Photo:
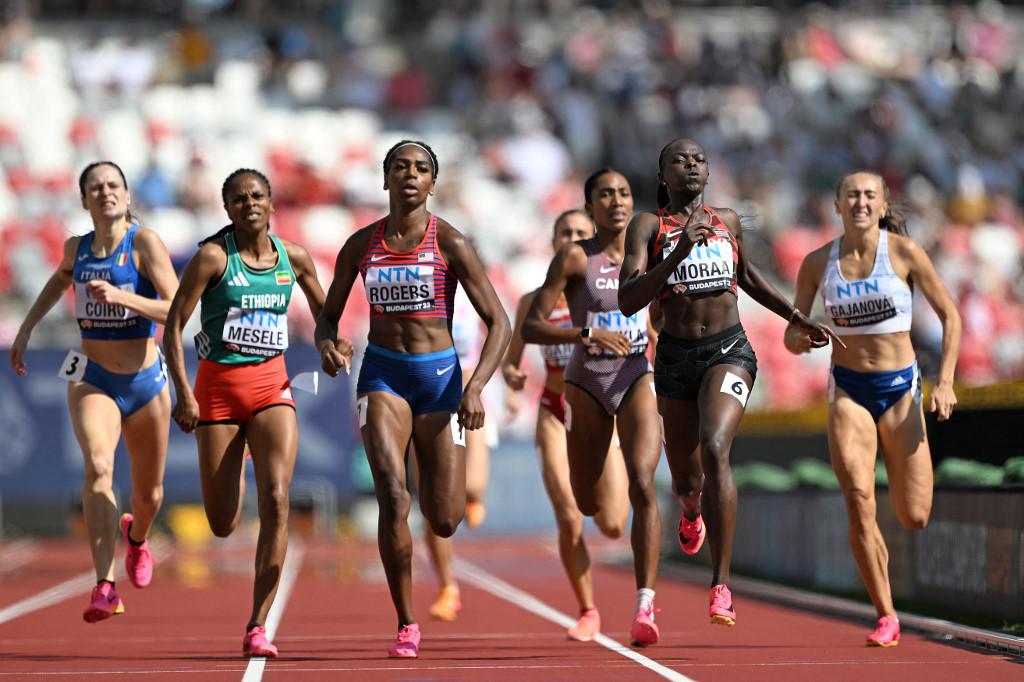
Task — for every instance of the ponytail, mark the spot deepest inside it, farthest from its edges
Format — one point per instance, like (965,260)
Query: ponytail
(894,221)
(663,198)
(218,235)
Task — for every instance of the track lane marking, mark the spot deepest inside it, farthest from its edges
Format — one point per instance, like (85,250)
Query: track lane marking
(289,573)
(492,584)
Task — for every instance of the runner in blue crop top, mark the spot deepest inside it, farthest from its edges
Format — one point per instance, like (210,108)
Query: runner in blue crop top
(123,283)
(874,392)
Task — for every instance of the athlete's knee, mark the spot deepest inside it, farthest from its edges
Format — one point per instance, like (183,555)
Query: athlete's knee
(148,499)
(860,505)
(99,475)
(570,522)
(394,500)
(610,528)
(220,526)
(914,519)
(687,486)
(444,528)
(714,453)
(642,492)
(273,504)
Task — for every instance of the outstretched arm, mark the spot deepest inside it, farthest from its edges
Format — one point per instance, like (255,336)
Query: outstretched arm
(206,265)
(514,376)
(796,338)
(752,281)
(943,399)
(346,268)
(463,259)
(54,288)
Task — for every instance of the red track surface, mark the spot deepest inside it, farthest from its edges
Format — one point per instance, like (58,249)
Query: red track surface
(338,622)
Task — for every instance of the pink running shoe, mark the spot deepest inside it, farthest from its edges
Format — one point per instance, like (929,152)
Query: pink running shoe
(586,627)
(644,632)
(103,603)
(138,560)
(407,644)
(255,643)
(691,534)
(887,633)
(721,610)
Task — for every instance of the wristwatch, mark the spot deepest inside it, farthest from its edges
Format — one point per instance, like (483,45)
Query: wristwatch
(586,335)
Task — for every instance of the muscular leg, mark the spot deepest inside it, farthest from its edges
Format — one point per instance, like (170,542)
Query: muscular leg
(442,467)
(641,448)
(222,475)
(852,442)
(145,435)
(97,424)
(555,472)
(588,435)
(612,492)
(273,436)
(908,461)
(680,420)
(720,414)
(386,436)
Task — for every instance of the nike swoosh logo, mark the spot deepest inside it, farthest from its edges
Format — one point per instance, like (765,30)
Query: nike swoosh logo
(377,258)
(673,233)
(445,370)
(726,349)
(83,256)
(607,270)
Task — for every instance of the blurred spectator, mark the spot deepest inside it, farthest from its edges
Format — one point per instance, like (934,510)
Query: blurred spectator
(522,100)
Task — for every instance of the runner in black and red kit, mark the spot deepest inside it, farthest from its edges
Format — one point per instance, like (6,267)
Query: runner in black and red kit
(690,257)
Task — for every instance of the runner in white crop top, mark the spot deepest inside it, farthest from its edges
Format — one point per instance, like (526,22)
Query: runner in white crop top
(880,303)
(864,279)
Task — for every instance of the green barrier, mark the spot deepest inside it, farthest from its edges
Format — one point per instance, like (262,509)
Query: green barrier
(967,472)
(1013,470)
(813,473)
(760,476)
(881,473)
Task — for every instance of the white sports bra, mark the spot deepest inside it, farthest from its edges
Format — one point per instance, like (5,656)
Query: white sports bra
(881,303)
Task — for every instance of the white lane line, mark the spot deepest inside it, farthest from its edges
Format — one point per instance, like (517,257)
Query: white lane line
(391,669)
(491,583)
(289,572)
(80,584)
(72,587)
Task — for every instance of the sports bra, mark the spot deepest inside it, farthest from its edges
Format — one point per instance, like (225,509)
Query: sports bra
(881,303)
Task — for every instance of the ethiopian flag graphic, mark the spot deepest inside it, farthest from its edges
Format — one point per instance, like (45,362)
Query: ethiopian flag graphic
(283,277)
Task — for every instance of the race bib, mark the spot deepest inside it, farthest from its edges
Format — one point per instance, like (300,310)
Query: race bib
(705,269)
(73,368)
(634,327)
(262,333)
(400,288)
(93,314)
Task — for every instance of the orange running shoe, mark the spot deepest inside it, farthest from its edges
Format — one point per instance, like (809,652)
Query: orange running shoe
(407,643)
(887,633)
(103,603)
(138,560)
(476,512)
(644,632)
(255,643)
(586,627)
(721,610)
(691,534)
(447,605)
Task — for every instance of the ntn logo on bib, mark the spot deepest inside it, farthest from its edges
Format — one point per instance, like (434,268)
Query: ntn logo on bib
(400,288)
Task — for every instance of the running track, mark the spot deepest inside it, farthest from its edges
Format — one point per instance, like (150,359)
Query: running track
(334,620)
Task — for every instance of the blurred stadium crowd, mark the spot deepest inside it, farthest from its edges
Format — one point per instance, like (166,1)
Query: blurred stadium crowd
(522,99)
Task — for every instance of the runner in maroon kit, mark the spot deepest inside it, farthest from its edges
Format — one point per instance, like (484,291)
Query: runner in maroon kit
(608,380)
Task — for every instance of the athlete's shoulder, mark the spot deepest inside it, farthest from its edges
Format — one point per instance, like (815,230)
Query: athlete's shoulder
(146,237)
(816,261)
(728,216)
(448,234)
